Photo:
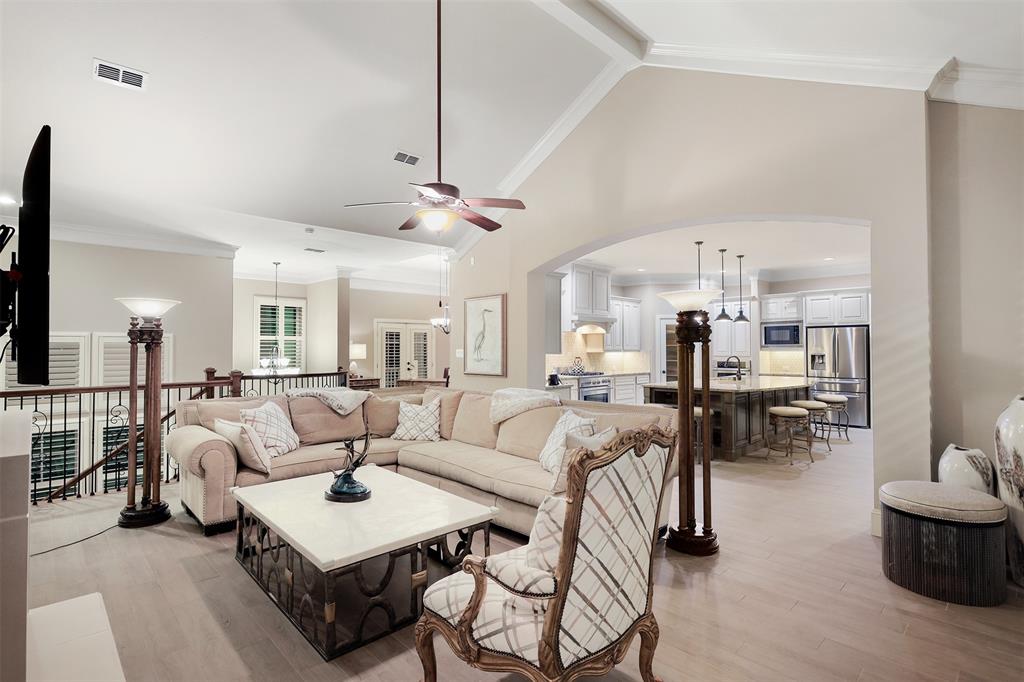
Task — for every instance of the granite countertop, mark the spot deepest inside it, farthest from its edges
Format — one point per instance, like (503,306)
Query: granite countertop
(577,377)
(750,384)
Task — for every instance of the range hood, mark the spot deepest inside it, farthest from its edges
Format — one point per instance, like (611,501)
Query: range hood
(583,327)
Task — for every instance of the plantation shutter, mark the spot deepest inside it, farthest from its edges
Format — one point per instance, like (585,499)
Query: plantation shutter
(112,352)
(67,364)
(420,352)
(281,325)
(392,356)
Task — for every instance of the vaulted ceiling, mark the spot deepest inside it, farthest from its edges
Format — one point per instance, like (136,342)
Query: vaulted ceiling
(260,120)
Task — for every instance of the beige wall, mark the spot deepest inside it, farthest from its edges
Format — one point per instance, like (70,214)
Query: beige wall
(366,305)
(322,326)
(243,340)
(670,148)
(85,279)
(977,251)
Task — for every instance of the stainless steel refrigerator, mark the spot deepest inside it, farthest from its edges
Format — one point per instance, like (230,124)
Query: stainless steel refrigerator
(838,360)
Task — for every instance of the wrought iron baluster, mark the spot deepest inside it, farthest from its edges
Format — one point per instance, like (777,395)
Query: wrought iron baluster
(49,423)
(63,467)
(92,439)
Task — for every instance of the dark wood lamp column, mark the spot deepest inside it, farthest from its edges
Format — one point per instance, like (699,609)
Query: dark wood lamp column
(692,327)
(146,327)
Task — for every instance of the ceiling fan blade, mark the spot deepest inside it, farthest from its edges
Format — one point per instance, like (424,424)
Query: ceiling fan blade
(412,222)
(478,220)
(427,191)
(495,203)
(381,203)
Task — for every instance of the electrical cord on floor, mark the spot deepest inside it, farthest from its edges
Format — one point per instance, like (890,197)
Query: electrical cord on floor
(87,537)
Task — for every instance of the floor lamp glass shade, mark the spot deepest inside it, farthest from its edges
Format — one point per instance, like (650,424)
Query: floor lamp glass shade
(148,308)
(686,300)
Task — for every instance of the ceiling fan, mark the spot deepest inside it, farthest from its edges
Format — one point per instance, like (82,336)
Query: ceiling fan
(439,204)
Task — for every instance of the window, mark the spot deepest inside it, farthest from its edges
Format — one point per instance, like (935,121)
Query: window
(282,325)
(68,362)
(111,359)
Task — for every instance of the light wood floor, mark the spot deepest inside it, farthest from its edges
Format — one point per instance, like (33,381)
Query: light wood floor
(795,594)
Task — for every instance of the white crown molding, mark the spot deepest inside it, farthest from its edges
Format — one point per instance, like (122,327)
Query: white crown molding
(978,85)
(843,70)
(364,284)
(170,243)
(601,26)
(584,103)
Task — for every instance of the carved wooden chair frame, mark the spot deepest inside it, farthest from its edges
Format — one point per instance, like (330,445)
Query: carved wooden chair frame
(460,637)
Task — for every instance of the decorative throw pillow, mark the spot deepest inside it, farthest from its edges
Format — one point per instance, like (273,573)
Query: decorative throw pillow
(250,455)
(560,482)
(419,422)
(554,449)
(272,428)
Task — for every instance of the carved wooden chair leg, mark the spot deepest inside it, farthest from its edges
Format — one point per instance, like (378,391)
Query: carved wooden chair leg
(648,643)
(425,648)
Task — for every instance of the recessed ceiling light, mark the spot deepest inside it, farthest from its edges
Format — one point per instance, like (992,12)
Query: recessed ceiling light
(830,258)
(641,269)
(6,200)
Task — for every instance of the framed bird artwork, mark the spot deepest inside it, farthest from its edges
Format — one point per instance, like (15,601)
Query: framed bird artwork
(485,351)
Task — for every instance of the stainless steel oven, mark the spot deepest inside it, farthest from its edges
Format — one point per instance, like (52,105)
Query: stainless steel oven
(781,335)
(596,389)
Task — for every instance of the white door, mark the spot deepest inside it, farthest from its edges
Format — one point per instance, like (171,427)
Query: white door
(404,350)
(819,309)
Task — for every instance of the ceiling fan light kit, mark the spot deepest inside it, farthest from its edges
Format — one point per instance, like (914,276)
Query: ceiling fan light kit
(440,203)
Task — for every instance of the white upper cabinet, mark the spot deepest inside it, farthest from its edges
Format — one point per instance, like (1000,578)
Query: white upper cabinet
(779,308)
(591,289)
(582,290)
(625,330)
(841,307)
(727,337)
(819,309)
(740,337)
(852,308)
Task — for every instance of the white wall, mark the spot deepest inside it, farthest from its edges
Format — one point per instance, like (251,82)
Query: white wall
(366,305)
(816,283)
(669,148)
(322,324)
(977,251)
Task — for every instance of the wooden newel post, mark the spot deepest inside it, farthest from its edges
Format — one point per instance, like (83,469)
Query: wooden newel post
(211,374)
(236,383)
(692,328)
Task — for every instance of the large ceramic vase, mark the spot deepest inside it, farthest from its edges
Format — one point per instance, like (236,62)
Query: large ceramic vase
(1010,465)
(967,467)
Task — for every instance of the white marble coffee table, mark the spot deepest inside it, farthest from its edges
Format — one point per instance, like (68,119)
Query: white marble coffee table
(347,574)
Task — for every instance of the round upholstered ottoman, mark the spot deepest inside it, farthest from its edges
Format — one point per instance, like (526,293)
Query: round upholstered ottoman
(944,541)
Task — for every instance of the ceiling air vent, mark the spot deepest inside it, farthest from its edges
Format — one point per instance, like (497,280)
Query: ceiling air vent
(124,76)
(403,157)
(312,250)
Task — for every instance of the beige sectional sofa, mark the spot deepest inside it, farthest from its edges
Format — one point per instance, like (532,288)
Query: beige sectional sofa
(495,465)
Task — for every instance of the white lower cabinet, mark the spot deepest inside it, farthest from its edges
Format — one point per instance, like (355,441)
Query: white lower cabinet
(629,389)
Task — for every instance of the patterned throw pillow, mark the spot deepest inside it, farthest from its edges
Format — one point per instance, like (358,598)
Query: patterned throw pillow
(251,452)
(273,429)
(419,422)
(560,482)
(554,449)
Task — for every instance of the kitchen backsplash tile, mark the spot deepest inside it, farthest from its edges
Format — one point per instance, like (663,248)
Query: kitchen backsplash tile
(782,362)
(573,347)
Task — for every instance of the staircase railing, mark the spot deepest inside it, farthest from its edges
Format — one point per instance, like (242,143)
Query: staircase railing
(80,433)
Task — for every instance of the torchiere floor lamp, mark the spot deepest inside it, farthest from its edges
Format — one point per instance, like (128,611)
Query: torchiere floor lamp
(692,327)
(151,509)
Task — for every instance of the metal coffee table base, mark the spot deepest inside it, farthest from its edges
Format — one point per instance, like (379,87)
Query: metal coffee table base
(345,608)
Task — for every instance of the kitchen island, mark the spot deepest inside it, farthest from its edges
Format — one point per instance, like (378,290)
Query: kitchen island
(740,421)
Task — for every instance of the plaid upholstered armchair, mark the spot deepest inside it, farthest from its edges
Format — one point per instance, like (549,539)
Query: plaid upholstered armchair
(568,603)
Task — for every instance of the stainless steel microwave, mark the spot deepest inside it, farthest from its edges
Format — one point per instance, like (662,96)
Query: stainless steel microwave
(781,335)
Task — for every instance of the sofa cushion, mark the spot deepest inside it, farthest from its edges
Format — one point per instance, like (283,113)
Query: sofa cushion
(485,469)
(313,459)
(524,435)
(230,410)
(473,421)
(317,423)
(382,413)
(271,429)
(449,408)
(248,455)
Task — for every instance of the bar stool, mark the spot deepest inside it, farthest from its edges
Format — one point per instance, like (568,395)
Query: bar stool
(698,440)
(837,405)
(818,411)
(788,418)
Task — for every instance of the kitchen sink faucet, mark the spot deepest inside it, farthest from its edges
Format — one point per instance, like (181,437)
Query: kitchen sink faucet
(739,371)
